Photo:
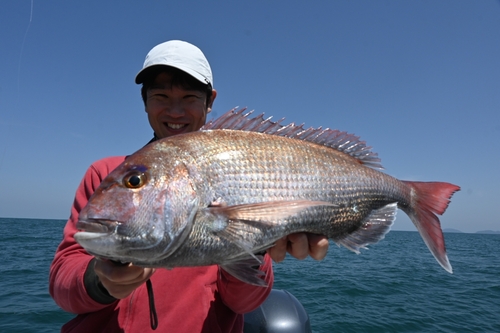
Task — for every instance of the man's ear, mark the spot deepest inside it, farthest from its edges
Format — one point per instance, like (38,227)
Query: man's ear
(211,100)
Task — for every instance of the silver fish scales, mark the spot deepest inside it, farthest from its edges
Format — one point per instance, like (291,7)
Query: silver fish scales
(219,195)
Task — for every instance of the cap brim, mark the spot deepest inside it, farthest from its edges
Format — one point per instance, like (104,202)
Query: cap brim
(151,70)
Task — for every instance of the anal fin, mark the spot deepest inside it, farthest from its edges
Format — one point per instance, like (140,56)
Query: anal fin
(373,229)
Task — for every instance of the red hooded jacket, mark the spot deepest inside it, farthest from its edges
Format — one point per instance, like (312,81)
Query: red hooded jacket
(198,299)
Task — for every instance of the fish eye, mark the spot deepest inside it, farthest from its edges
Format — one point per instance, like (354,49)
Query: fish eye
(134,180)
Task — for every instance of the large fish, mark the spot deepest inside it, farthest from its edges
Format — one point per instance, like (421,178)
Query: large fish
(224,193)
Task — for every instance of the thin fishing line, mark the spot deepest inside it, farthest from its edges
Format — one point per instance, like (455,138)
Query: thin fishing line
(3,154)
(22,49)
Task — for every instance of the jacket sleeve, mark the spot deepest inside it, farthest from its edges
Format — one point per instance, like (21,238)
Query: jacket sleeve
(68,270)
(242,297)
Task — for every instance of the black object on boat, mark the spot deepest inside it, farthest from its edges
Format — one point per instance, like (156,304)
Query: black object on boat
(280,313)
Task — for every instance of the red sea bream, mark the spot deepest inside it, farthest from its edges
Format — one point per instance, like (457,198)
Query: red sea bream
(230,190)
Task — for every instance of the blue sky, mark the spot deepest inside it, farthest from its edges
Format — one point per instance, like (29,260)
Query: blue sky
(418,80)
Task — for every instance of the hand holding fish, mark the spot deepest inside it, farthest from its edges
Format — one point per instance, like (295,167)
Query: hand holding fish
(300,245)
(121,280)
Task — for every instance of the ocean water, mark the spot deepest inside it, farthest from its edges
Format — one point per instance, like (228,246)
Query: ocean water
(395,286)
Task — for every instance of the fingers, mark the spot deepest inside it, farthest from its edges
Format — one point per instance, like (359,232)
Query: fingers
(300,245)
(121,281)
(278,251)
(318,246)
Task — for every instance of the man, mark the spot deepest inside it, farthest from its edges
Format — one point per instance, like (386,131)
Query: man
(178,94)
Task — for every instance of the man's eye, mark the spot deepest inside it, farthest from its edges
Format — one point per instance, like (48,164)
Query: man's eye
(160,95)
(192,97)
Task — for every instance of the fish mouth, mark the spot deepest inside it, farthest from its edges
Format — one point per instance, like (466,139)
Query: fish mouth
(97,236)
(111,239)
(98,226)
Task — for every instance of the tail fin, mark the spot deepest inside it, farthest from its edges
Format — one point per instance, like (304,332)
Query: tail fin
(429,199)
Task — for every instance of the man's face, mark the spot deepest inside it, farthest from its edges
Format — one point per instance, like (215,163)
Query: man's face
(174,110)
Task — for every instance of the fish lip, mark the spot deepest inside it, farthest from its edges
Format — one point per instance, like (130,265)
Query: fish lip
(98,225)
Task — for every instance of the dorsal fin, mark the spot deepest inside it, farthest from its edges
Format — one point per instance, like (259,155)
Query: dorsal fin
(341,141)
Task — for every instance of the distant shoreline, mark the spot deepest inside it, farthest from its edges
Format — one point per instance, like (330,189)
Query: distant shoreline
(456,231)
(450,230)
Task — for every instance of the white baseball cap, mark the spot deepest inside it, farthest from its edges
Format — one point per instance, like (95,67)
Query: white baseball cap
(179,54)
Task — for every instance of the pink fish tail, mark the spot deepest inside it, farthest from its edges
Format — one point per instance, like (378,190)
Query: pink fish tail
(429,199)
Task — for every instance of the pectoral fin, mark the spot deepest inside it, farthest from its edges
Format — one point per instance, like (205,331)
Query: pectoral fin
(265,211)
(244,224)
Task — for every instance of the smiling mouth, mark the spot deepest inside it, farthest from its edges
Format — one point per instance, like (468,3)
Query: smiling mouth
(175,126)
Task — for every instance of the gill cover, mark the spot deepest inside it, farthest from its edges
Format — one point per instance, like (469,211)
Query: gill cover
(179,211)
